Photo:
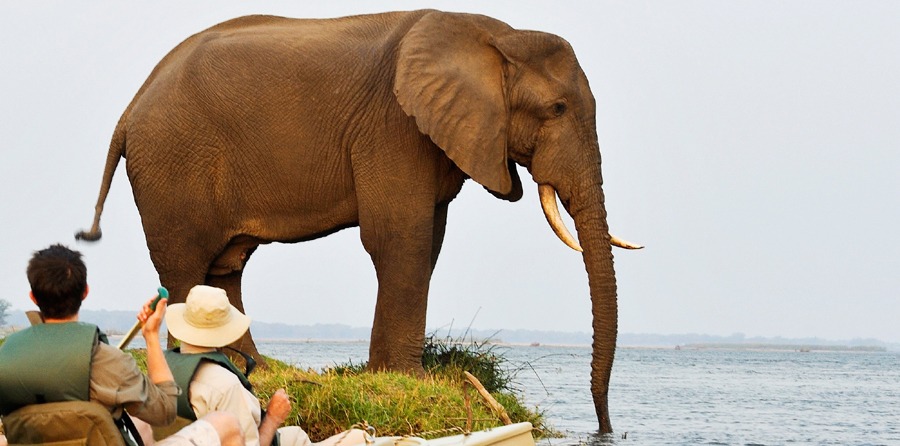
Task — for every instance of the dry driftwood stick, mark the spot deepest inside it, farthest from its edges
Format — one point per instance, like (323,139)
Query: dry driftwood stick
(468,410)
(487,397)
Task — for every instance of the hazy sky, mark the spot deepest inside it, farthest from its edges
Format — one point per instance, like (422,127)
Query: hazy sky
(752,146)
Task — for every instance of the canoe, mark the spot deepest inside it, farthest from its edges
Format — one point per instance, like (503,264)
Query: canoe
(517,434)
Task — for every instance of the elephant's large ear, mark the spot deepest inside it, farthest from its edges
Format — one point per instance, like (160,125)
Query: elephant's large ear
(451,79)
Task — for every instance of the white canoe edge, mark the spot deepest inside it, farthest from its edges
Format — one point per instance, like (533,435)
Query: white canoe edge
(518,434)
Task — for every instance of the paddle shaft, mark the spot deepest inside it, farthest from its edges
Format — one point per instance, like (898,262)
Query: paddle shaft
(34,317)
(162,293)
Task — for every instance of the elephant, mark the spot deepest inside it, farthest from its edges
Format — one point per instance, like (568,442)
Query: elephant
(269,129)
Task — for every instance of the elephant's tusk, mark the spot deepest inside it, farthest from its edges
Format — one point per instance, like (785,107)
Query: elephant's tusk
(551,211)
(616,241)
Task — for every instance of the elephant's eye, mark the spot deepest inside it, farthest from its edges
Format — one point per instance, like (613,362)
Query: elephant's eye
(559,108)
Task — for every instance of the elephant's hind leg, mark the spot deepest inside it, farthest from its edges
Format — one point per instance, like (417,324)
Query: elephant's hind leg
(227,272)
(179,268)
(231,283)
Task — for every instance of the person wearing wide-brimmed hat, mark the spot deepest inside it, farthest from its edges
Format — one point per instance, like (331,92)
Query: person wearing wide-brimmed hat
(203,324)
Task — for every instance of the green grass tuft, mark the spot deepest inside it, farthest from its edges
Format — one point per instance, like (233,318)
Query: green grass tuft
(449,356)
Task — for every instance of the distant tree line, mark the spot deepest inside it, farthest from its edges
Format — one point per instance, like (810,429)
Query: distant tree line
(4,306)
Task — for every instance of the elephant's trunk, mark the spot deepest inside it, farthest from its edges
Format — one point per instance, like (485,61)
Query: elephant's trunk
(586,206)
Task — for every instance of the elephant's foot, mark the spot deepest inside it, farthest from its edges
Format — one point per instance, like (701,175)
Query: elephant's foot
(390,361)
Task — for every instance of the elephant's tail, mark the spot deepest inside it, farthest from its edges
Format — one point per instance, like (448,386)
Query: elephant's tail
(116,152)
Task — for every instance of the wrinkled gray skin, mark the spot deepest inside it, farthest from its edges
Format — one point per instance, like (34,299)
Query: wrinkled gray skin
(267,129)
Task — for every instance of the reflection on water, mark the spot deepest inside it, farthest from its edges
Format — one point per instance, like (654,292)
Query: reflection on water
(681,397)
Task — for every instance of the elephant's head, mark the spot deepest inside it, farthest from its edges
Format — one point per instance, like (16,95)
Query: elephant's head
(491,96)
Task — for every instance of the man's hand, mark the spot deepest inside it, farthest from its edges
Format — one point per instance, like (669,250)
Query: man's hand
(152,320)
(276,412)
(279,407)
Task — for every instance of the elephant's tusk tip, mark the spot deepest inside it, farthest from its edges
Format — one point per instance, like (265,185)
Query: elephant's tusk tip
(615,241)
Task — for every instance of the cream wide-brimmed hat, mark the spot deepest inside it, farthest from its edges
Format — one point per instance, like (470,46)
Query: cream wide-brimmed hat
(206,319)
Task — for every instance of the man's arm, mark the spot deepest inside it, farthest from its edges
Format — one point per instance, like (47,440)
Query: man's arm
(157,368)
(117,381)
(276,412)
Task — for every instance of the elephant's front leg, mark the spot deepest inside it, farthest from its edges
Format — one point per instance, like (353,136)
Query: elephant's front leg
(401,251)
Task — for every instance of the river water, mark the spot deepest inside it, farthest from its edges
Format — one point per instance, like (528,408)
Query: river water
(688,396)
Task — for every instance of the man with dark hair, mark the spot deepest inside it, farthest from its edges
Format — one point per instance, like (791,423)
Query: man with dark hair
(58,281)
(67,360)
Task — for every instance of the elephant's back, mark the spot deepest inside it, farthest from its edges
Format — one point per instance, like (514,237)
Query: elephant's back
(287,26)
(263,60)
(268,79)
(262,32)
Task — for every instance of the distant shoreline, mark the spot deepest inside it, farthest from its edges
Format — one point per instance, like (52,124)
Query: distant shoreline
(118,322)
(723,347)
(114,335)
(786,347)
(702,346)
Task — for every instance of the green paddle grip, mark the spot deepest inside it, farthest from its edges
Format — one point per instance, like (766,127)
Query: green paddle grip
(161,293)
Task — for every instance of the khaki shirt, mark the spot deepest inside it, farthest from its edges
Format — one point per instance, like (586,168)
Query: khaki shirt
(215,388)
(117,383)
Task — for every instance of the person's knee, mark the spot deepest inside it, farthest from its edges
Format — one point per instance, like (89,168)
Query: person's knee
(227,426)
(355,436)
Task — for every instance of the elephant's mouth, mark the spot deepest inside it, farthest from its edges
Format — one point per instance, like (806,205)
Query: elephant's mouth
(548,203)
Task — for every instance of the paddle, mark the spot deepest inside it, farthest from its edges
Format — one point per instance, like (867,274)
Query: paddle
(162,293)
(34,317)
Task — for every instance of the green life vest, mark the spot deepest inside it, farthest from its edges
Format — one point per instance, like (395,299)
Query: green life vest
(184,366)
(47,363)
